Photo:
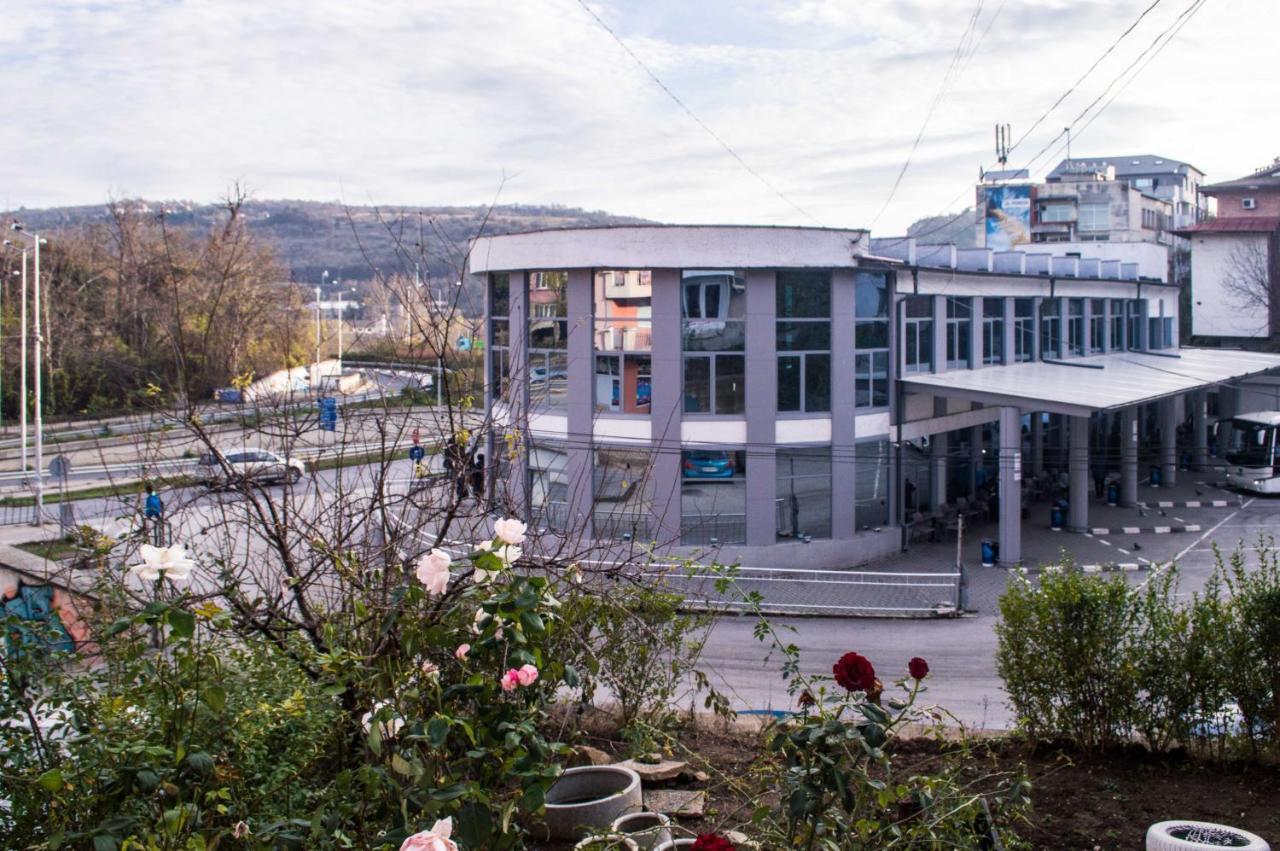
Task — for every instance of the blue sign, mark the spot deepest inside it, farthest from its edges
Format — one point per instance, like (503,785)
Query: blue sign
(416,453)
(464,344)
(328,413)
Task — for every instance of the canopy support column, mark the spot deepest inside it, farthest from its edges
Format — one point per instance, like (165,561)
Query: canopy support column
(1168,441)
(1199,429)
(1037,443)
(1078,469)
(1010,459)
(1129,457)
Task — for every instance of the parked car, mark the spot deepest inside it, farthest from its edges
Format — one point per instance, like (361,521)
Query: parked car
(700,464)
(260,465)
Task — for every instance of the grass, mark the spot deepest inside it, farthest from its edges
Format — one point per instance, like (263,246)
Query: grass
(51,550)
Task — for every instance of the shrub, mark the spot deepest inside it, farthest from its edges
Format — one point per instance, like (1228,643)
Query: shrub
(1065,655)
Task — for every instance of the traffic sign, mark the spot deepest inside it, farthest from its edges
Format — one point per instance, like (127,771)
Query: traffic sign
(416,453)
(60,467)
(328,413)
(464,344)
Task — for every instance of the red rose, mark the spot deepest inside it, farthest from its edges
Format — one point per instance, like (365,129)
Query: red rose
(918,668)
(712,842)
(854,672)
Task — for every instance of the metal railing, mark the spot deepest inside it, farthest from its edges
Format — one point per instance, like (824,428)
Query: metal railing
(866,593)
(699,530)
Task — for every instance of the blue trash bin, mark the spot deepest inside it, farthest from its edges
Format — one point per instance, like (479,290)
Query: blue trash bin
(1113,493)
(1155,476)
(1055,517)
(989,553)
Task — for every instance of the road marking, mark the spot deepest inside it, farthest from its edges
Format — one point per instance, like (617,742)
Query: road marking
(1199,540)
(1104,543)
(1122,550)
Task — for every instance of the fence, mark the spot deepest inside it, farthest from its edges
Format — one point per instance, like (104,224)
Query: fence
(709,530)
(820,592)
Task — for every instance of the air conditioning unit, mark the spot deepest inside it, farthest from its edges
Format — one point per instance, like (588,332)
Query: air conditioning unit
(1249,203)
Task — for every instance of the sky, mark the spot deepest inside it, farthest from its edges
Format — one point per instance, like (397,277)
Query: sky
(428,102)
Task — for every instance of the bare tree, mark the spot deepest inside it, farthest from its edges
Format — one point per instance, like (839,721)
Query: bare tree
(1248,282)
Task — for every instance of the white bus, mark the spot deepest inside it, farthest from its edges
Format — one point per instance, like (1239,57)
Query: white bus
(1252,456)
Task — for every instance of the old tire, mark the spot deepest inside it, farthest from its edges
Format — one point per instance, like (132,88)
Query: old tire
(1187,835)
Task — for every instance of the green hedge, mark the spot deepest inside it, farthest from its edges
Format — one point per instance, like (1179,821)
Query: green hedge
(1099,661)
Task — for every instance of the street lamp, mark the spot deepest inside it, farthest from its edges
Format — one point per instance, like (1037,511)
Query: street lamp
(22,373)
(342,312)
(37,241)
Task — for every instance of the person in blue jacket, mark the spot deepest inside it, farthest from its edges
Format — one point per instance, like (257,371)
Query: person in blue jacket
(153,512)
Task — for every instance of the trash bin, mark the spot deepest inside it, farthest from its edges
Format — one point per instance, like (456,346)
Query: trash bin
(1155,476)
(1113,494)
(990,552)
(1056,515)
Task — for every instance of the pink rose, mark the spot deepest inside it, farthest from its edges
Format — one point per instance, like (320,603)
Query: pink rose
(527,675)
(461,653)
(435,839)
(510,680)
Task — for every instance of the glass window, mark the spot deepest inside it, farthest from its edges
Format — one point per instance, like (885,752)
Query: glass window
(622,305)
(804,344)
(803,503)
(918,334)
(713,304)
(1117,325)
(499,340)
(1154,328)
(959,329)
(1097,324)
(1024,329)
(871,379)
(992,331)
(1075,326)
(1095,217)
(871,340)
(624,492)
(549,485)
(548,326)
(1050,329)
(1133,332)
(871,484)
(1169,336)
(1057,213)
(713,497)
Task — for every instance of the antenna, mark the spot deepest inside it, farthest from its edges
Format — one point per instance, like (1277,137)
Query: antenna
(1002,144)
(1067,130)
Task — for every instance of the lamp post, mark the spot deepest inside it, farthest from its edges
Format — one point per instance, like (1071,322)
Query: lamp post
(37,241)
(22,374)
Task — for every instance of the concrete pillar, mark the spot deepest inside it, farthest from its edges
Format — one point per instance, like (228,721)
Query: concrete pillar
(939,333)
(1078,475)
(938,446)
(580,406)
(1129,457)
(1010,461)
(761,408)
(1199,401)
(667,405)
(517,485)
(1037,443)
(844,467)
(1010,337)
(1107,342)
(1168,408)
(975,457)
(977,329)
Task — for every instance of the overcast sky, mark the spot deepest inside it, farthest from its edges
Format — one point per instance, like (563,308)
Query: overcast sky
(433,101)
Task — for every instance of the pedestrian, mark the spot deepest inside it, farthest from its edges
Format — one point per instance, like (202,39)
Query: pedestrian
(153,515)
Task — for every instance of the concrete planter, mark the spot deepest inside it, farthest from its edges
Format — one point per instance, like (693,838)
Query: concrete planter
(607,842)
(648,830)
(587,799)
(675,844)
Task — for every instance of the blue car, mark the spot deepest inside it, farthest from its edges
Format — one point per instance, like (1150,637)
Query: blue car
(709,465)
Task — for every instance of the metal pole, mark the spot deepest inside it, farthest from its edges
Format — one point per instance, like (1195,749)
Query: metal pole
(341,311)
(22,372)
(439,378)
(39,413)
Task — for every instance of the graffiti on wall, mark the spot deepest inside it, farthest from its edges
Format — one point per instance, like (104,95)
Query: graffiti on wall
(51,611)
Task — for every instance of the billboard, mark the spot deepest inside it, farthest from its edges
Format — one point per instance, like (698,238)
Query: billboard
(1006,216)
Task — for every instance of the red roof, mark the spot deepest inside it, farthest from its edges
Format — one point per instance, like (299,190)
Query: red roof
(1236,224)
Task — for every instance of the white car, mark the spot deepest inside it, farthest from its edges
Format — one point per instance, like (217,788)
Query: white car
(240,465)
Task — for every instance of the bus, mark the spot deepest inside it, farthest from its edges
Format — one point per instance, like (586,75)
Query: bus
(1252,456)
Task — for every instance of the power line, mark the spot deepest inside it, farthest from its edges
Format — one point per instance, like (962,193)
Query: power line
(952,70)
(689,112)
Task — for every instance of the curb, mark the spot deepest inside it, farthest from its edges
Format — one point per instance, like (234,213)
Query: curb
(1191,503)
(1146,530)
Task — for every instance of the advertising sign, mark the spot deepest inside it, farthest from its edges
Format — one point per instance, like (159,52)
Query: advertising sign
(1006,216)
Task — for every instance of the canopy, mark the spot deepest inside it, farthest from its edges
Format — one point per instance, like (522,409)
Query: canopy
(1080,386)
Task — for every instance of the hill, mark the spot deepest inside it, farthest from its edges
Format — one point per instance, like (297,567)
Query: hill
(311,237)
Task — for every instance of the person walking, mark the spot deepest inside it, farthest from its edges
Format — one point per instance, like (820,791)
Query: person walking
(153,516)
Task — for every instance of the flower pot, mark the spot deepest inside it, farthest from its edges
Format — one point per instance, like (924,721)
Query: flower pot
(1187,835)
(587,799)
(648,830)
(607,842)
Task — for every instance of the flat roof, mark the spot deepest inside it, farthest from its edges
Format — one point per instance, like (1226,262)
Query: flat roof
(670,247)
(1080,386)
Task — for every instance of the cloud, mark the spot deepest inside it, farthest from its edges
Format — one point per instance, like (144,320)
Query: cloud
(405,102)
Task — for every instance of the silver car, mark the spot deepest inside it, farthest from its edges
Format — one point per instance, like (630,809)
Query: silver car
(245,465)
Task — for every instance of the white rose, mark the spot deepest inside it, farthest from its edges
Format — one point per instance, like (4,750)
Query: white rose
(509,530)
(433,571)
(170,562)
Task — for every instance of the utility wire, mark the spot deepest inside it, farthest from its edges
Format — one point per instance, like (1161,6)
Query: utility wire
(952,71)
(689,112)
